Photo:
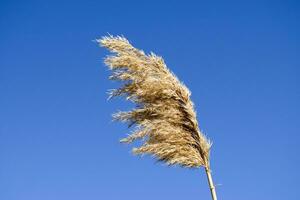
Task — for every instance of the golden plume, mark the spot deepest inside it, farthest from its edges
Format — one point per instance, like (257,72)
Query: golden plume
(164,115)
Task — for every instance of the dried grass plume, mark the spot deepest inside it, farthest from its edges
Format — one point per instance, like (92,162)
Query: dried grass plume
(164,115)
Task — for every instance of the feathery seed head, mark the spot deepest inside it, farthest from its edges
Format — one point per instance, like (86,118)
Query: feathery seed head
(164,115)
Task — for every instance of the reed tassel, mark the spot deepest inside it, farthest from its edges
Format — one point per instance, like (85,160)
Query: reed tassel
(164,116)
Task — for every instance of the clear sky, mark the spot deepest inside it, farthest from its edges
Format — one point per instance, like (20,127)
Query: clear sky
(240,59)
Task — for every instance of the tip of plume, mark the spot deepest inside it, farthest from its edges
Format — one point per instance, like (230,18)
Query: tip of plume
(108,38)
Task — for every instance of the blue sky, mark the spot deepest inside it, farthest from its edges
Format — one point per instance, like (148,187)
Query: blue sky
(240,59)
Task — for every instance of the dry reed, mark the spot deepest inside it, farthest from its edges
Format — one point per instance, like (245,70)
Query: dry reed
(164,116)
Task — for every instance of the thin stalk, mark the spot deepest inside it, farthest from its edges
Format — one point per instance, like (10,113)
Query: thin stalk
(211,183)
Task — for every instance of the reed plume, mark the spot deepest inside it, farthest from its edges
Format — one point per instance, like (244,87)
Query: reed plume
(164,116)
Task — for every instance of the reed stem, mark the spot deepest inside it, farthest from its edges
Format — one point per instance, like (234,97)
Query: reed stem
(211,184)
